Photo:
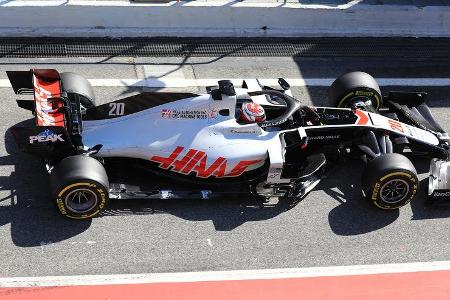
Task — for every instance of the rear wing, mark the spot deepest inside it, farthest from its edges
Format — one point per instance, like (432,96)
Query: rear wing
(45,85)
(57,121)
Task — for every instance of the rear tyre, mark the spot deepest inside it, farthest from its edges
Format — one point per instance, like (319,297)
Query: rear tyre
(390,181)
(355,89)
(80,186)
(78,87)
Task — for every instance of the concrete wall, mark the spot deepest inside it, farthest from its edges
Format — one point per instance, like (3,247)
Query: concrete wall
(225,18)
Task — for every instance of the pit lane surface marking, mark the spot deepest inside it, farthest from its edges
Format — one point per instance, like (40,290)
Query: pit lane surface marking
(294,82)
(423,280)
(22,3)
(284,273)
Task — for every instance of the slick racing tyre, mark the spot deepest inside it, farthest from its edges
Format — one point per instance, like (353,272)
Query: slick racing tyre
(355,89)
(390,181)
(80,186)
(78,87)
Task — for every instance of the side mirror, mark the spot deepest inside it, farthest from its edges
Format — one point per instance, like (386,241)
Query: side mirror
(94,150)
(284,84)
(226,87)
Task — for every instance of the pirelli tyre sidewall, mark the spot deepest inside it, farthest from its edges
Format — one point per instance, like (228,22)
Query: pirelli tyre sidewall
(94,189)
(360,93)
(80,187)
(390,172)
(354,86)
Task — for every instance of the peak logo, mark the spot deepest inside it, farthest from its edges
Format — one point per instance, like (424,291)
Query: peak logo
(46,136)
(196,161)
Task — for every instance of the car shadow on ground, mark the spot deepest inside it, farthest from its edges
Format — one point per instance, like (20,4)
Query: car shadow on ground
(355,214)
(25,204)
(225,214)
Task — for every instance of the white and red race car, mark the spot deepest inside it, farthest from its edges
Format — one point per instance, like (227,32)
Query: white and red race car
(253,140)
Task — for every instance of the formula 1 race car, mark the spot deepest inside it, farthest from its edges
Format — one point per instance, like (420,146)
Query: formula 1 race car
(253,140)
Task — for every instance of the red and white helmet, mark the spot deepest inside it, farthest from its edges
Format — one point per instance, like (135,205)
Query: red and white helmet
(252,113)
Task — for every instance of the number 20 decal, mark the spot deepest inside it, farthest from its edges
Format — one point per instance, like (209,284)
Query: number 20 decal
(116,109)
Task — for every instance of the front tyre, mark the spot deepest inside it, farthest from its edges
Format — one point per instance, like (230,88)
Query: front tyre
(390,181)
(355,89)
(80,186)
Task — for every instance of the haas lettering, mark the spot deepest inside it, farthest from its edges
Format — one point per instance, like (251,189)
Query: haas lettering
(196,161)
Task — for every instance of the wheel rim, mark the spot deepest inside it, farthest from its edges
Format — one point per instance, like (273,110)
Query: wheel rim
(394,191)
(359,102)
(81,200)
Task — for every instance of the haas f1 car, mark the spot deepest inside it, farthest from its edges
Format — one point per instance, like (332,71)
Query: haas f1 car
(253,140)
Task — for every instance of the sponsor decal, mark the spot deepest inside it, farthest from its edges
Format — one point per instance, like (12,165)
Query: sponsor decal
(213,113)
(364,93)
(184,114)
(274,173)
(441,194)
(397,126)
(254,131)
(324,137)
(46,136)
(166,113)
(41,94)
(196,161)
(43,91)
(376,189)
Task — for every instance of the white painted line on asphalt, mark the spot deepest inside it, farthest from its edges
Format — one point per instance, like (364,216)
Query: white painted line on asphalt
(109,3)
(33,3)
(295,82)
(225,275)
(4,83)
(164,72)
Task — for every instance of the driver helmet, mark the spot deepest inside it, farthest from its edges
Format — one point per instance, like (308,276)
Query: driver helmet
(252,113)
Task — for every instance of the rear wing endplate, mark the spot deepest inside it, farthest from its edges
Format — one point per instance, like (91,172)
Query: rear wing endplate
(48,142)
